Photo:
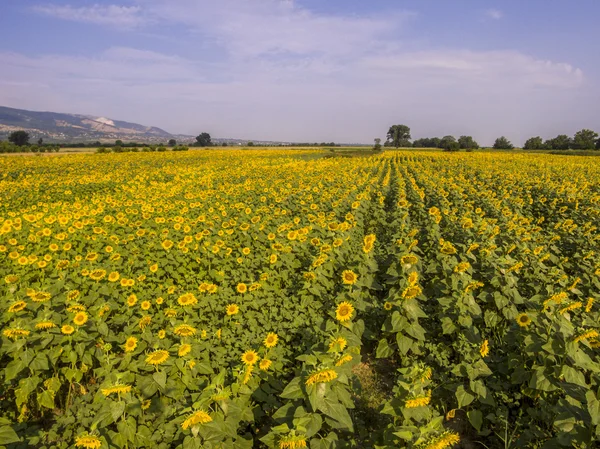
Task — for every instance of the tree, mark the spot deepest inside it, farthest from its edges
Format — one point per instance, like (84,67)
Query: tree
(377,146)
(19,138)
(118,143)
(598,144)
(250,144)
(172,142)
(40,141)
(534,143)
(449,143)
(560,142)
(399,136)
(467,143)
(203,140)
(585,139)
(502,143)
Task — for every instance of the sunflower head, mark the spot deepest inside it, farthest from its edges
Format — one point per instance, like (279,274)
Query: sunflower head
(250,357)
(271,340)
(523,320)
(349,277)
(344,311)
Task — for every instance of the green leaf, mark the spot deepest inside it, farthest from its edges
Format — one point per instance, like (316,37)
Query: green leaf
(404,343)
(8,435)
(160,377)
(383,349)
(39,363)
(117,409)
(593,406)
(46,399)
(475,418)
(293,390)
(447,326)
(463,396)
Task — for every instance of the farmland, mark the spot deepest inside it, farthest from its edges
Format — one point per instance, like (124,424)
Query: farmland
(282,299)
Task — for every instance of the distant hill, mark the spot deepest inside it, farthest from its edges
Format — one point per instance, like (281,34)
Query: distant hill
(53,126)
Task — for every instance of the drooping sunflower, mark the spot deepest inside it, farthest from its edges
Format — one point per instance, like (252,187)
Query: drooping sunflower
(17,306)
(157,357)
(88,441)
(344,311)
(349,277)
(321,376)
(271,340)
(15,332)
(411,292)
(250,357)
(45,325)
(198,417)
(265,364)
(184,330)
(484,350)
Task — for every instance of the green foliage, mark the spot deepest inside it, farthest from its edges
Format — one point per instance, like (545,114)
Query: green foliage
(399,136)
(502,143)
(534,143)
(19,138)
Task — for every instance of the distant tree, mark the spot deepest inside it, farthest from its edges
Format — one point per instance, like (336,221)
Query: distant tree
(467,143)
(377,146)
(560,142)
(502,143)
(224,144)
(172,142)
(119,143)
(534,143)
(585,139)
(19,138)
(449,143)
(203,140)
(399,136)
(598,144)
(40,141)
(250,144)
(427,142)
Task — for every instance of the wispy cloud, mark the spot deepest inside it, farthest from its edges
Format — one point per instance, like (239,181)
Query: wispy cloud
(113,15)
(273,69)
(495,14)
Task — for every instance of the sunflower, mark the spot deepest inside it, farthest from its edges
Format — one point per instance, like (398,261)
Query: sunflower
(523,320)
(411,292)
(198,417)
(162,334)
(73,295)
(146,305)
(265,364)
(344,311)
(322,376)
(232,309)
(11,279)
(17,306)
(484,349)
(154,268)
(80,318)
(184,330)
(349,277)
(184,349)
(338,344)
(419,401)
(67,329)
(117,388)
(15,333)
(388,306)
(271,340)
(132,300)
(249,357)
(98,275)
(88,441)
(45,325)
(409,259)
(292,442)
(187,299)
(462,267)
(242,288)
(130,344)
(157,357)
(41,296)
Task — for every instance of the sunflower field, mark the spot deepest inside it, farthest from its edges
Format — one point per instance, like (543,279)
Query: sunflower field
(278,299)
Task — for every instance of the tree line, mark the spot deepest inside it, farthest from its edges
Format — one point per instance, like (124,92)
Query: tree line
(398,136)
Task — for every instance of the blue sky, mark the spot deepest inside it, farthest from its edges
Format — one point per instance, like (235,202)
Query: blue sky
(309,70)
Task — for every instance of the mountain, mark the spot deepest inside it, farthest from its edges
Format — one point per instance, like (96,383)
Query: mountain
(57,127)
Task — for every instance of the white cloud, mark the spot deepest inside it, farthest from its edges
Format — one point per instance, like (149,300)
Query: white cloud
(113,15)
(495,14)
